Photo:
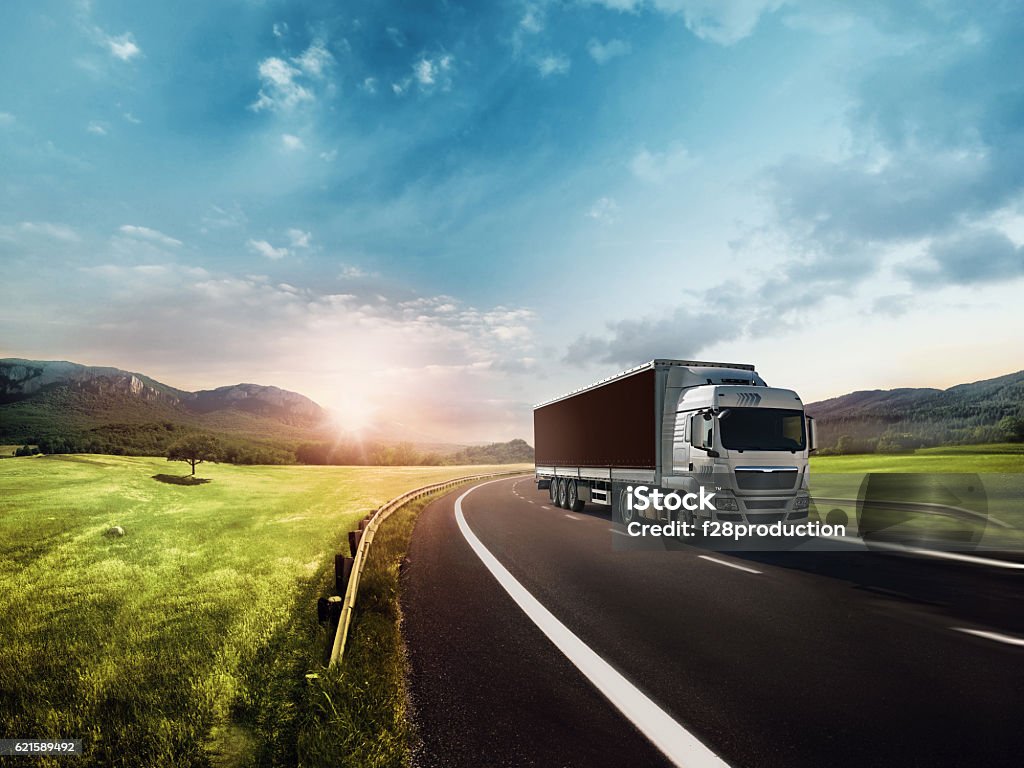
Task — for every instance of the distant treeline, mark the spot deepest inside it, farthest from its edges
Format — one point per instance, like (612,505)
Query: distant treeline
(405,454)
(154,439)
(861,435)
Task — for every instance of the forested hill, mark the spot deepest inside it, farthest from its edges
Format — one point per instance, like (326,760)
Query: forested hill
(899,419)
(70,408)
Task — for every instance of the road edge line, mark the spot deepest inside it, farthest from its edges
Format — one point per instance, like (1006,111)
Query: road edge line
(680,746)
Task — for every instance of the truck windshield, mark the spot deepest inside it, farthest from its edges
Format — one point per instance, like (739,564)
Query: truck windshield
(762,429)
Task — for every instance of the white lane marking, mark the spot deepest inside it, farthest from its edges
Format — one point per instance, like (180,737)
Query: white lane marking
(999,638)
(571,517)
(728,564)
(544,506)
(616,530)
(675,742)
(930,553)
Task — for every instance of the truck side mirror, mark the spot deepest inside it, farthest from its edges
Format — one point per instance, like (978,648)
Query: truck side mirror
(812,436)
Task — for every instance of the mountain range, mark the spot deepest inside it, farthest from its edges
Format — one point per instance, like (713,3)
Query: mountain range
(109,408)
(914,417)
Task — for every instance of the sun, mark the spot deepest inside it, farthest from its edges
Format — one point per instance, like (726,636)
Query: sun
(351,413)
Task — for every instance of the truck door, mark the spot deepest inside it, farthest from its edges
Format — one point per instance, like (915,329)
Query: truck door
(681,444)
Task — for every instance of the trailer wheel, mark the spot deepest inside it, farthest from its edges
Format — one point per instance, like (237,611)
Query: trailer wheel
(553,491)
(687,516)
(563,493)
(572,497)
(626,514)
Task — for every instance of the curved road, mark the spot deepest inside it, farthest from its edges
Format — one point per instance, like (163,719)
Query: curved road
(781,659)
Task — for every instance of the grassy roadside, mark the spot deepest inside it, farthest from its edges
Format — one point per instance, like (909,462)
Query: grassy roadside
(184,642)
(359,711)
(989,458)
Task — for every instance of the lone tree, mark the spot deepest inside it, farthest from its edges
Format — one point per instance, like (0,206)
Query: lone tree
(195,449)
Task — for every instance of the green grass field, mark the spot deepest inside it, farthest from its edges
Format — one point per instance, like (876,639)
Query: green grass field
(997,457)
(185,642)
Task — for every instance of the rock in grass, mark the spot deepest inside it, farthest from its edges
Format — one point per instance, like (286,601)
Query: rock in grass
(115,533)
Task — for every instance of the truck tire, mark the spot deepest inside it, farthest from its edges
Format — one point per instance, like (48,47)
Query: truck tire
(687,516)
(572,497)
(562,493)
(553,491)
(626,515)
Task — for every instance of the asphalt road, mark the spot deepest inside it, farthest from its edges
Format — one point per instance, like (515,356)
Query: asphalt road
(801,659)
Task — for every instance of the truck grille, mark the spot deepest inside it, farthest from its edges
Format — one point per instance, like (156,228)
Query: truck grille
(765,504)
(765,480)
(766,517)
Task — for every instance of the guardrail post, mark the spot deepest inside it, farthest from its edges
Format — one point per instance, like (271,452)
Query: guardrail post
(353,541)
(342,571)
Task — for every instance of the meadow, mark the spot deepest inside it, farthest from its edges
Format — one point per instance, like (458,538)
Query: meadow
(184,642)
(999,467)
(990,458)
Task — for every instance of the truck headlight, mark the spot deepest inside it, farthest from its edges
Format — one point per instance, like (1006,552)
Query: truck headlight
(801,502)
(726,504)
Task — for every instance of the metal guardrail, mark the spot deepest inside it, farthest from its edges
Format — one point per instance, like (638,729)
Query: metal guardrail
(359,557)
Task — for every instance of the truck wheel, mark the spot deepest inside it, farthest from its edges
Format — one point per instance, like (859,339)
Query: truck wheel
(626,514)
(572,497)
(553,491)
(686,516)
(562,493)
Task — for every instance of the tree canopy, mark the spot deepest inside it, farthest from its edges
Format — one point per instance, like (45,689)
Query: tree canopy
(195,449)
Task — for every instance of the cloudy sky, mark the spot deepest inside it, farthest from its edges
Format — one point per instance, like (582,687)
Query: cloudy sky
(437,213)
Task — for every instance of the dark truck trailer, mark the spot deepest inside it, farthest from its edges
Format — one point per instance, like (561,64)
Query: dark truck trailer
(607,425)
(666,424)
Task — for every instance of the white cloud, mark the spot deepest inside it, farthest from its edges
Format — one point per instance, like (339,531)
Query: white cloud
(49,229)
(278,89)
(659,166)
(123,47)
(725,22)
(299,238)
(352,272)
(224,218)
(97,128)
(369,85)
(6,118)
(395,36)
(280,28)
(315,59)
(605,52)
(556,64)
(424,69)
(284,85)
(329,156)
(721,21)
(131,118)
(265,249)
(145,233)
(434,71)
(532,20)
(291,142)
(604,210)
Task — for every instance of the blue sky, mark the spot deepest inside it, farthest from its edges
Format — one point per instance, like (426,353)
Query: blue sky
(435,214)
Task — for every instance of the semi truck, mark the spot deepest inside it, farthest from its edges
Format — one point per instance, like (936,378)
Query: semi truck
(677,426)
